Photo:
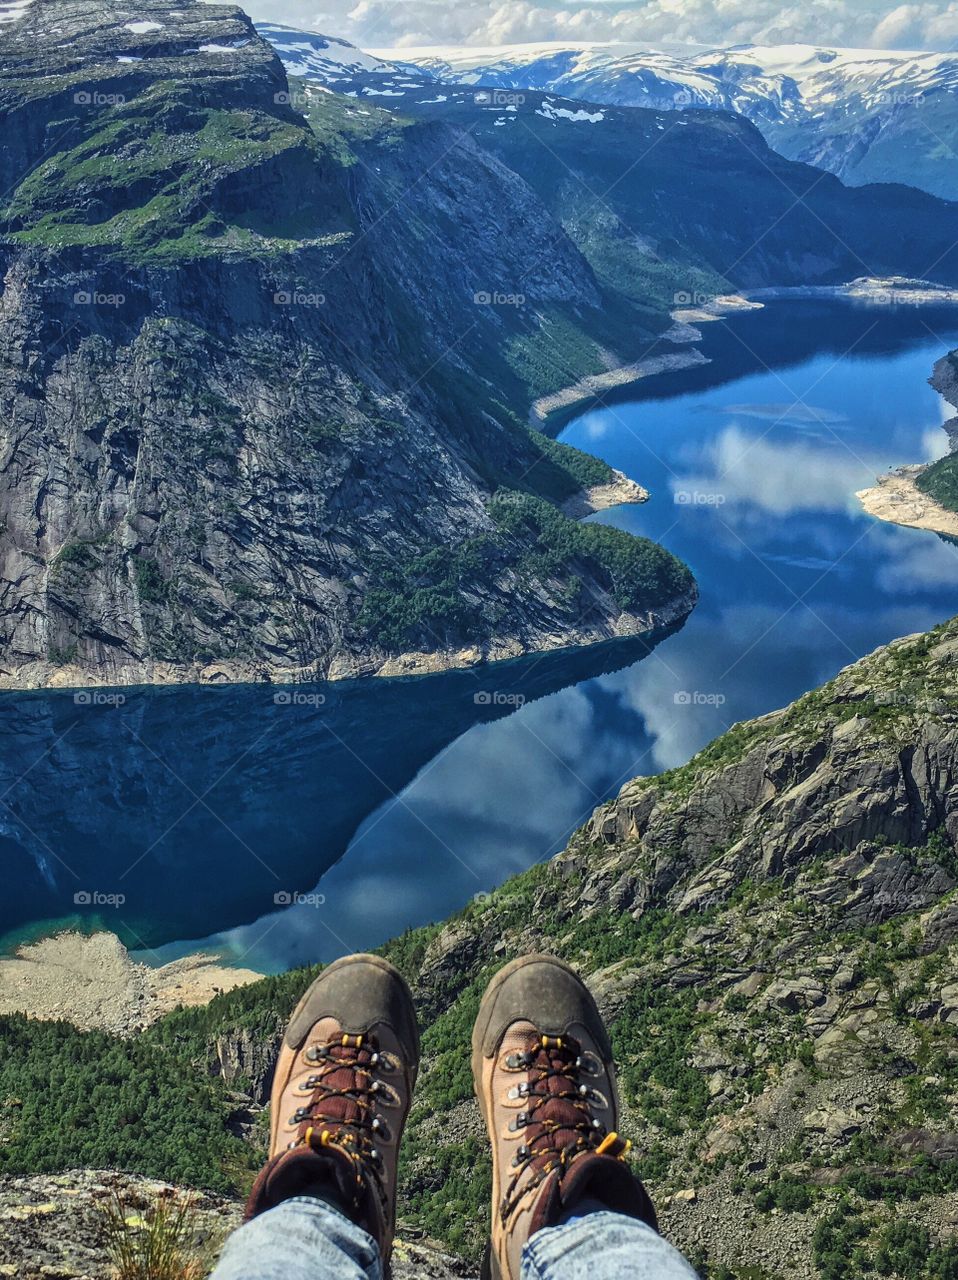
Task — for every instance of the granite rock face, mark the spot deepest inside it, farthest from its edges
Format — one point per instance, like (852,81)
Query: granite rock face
(241,371)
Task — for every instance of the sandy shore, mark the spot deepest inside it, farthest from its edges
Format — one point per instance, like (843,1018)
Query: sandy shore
(897,499)
(91,981)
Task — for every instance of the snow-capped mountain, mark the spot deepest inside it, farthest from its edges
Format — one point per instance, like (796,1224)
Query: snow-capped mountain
(319,57)
(864,114)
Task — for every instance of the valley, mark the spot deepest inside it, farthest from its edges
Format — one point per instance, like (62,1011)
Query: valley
(438,515)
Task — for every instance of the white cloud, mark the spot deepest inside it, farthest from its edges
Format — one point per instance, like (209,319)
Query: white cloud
(931,24)
(750,473)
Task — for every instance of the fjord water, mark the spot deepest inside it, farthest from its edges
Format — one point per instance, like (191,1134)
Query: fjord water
(389,803)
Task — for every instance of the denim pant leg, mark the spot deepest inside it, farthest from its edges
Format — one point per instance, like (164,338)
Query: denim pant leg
(301,1239)
(602,1246)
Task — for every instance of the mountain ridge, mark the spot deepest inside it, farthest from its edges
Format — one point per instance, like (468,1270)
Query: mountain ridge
(866,115)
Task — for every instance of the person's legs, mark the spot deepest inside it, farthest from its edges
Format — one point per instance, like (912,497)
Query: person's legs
(324,1205)
(602,1246)
(563,1198)
(301,1239)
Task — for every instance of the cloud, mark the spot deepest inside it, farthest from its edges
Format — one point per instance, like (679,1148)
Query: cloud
(744,473)
(389,23)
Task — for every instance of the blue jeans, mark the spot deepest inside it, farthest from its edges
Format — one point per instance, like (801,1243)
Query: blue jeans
(307,1239)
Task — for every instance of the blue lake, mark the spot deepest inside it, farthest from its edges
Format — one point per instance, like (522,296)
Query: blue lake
(387,804)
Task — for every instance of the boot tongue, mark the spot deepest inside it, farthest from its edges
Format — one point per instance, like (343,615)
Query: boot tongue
(351,1077)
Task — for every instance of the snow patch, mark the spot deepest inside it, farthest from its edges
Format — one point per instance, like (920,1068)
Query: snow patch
(141,28)
(552,112)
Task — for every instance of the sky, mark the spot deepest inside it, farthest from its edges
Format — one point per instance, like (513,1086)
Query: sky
(927,24)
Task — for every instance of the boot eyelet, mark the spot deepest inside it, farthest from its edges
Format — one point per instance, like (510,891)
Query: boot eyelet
(381,1129)
(299,1115)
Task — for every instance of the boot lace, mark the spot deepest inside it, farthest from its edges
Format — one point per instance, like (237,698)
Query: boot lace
(557,1121)
(345,1096)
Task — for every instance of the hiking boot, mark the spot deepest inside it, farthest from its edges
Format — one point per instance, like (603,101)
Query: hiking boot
(341,1094)
(543,1073)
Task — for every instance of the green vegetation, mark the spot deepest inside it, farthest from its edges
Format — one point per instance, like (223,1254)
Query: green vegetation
(147,179)
(641,574)
(848,1243)
(72,1099)
(422,601)
(577,470)
(436,597)
(151,586)
(940,481)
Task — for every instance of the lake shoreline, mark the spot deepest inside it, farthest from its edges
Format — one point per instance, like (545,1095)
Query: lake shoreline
(551,410)
(897,499)
(92,981)
(93,688)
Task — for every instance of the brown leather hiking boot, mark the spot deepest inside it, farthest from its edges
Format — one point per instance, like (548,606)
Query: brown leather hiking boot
(542,1067)
(341,1094)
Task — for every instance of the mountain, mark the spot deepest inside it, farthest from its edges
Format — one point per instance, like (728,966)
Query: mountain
(866,115)
(257,422)
(617,179)
(772,933)
(306,53)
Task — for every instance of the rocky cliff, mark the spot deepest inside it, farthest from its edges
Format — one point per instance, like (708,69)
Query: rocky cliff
(250,430)
(772,933)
